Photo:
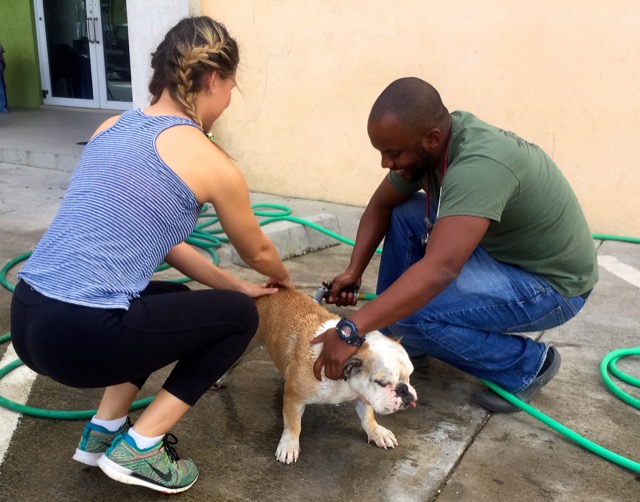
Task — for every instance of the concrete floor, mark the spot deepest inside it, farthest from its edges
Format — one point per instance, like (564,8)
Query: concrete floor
(449,449)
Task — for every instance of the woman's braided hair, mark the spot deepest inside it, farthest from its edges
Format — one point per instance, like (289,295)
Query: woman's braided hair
(190,51)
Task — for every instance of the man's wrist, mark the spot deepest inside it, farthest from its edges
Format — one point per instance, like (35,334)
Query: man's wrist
(348,332)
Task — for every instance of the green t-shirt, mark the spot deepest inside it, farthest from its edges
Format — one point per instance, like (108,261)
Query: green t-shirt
(536,220)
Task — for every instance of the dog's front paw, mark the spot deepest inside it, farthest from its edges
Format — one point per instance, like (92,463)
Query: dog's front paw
(221,383)
(382,437)
(288,450)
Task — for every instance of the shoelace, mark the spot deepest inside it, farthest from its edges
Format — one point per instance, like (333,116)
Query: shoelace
(168,442)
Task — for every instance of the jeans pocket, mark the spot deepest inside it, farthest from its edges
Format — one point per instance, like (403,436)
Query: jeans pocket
(547,321)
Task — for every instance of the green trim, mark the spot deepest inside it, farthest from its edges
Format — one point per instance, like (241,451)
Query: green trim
(18,36)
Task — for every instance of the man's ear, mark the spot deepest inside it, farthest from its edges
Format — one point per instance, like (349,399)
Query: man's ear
(352,366)
(431,139)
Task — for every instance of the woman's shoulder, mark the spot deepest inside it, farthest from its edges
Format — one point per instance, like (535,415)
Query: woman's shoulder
(106,124)
(187,139)
(188,147)
(206,169)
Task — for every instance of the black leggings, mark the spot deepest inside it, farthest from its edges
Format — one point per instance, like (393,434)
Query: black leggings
(206,331)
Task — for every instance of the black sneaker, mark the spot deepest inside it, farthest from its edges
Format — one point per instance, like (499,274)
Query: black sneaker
(492,401)
(419,360)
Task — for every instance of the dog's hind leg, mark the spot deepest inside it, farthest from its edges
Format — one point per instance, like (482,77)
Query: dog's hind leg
(381,436)
(221,383)
(288,449)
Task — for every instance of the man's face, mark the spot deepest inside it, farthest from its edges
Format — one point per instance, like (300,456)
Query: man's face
(400,147)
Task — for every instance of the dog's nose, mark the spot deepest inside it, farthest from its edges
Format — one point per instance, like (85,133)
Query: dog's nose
(402,391)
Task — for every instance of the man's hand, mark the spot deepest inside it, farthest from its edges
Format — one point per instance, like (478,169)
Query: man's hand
(335,353)
(342,282)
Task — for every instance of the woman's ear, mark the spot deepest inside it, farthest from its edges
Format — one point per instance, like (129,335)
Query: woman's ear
(211,80)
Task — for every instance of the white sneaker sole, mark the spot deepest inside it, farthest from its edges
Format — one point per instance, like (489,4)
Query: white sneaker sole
(87,458)
(124,475)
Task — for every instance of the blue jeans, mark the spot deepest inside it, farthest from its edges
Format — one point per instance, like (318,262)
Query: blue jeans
(471,325)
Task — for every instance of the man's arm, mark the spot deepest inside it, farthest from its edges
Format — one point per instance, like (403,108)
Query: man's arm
(372,228)
(451,243)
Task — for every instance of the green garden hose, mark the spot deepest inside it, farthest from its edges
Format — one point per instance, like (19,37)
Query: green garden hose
(608,364)
(54,414)
(209,240)
(565,431)
(203,237)
(8,266)
(606,237)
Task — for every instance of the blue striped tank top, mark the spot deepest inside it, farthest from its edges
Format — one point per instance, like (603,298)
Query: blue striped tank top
(123,211)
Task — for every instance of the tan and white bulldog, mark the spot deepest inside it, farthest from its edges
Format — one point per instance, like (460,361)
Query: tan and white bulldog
(377,376)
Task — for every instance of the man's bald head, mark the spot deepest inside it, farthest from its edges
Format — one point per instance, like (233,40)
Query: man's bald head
(415,103)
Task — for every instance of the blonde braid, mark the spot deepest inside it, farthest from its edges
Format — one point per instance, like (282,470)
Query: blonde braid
(184,85)
(189,58)
(189,52)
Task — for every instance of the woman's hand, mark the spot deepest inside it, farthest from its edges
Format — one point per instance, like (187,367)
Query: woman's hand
(257,290)
(284,283)
(269,287)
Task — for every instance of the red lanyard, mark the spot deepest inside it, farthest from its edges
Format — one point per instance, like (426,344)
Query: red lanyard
(443,171)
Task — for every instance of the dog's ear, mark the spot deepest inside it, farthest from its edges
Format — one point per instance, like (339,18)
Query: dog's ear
(353,364)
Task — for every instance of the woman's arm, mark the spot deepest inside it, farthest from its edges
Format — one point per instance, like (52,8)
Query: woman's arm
(214,178)
(191,263)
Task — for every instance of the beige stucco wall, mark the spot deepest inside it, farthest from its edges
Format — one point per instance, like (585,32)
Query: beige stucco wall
(564,75)
(149,21)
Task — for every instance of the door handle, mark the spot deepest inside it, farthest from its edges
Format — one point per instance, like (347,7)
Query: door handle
(89,30)
(95,33)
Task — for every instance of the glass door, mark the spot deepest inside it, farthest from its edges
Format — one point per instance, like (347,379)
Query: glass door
(114,66)
(84,53)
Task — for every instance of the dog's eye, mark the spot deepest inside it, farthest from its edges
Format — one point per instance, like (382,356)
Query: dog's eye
(381,383)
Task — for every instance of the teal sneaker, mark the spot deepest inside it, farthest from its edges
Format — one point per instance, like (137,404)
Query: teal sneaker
(158,467)
(94,442)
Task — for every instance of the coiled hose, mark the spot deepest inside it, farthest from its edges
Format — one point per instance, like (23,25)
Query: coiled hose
(211,239)
(204,237)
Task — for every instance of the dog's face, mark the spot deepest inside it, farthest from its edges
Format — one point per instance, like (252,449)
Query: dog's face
(379,373)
